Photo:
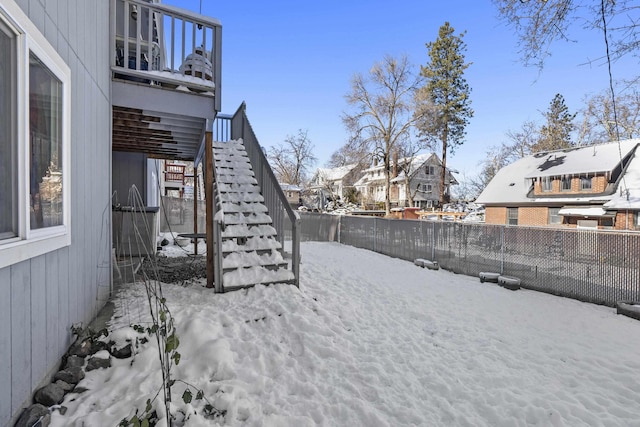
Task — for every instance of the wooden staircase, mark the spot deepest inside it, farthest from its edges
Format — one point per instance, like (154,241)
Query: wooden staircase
(248,250)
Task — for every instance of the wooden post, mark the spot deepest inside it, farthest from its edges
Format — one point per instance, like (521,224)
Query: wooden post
(208,196)
(195,209)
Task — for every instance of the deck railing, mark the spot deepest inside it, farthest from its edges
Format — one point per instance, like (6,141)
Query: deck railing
(160,44)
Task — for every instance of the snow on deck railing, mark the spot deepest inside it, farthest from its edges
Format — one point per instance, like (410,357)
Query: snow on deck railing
(152,42)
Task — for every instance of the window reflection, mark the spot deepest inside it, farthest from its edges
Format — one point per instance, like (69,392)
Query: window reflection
(45,129)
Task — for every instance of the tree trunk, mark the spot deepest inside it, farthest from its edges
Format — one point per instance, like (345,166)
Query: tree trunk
(387,184)
(443,172)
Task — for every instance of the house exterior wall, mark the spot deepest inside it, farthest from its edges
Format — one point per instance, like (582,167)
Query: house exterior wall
(41,297)
(598,185)
(533,215)
(495,215)
(627,220)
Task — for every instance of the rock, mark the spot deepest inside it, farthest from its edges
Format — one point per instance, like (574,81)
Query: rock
(164,242)
(62,410)
(97,346)
(74,362)
(49,395)
(98,363)
(32,415)
(66,387)
(81,348)
(80,390)
(122,353)
(70,376)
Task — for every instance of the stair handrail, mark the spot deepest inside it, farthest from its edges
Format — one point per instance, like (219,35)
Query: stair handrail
(218,228)
(274,198)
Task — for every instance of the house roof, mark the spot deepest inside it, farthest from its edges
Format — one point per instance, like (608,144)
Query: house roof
(512,183)
(628,194)
(334,174)
(290,187)
(575,161)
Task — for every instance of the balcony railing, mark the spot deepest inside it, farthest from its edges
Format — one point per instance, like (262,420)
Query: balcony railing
(164,45)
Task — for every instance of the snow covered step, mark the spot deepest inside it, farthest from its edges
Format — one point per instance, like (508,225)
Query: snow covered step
(231,207)
(271,260)
(242,197)
(256,243)
(255,275)
(236,179)
(247,218)
(238,188)
(245,230)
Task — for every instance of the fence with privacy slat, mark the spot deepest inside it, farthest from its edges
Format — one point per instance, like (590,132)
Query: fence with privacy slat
(602,267)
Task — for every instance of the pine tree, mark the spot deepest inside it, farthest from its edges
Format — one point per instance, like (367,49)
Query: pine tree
(444,103)
(556,133)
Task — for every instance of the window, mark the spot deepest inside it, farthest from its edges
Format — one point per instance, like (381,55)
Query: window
(637,221)
(425,187)
(8,143)
(565,184)
(545,184)
(585,183)
(429,170)
(554,216)
(512,216)
(35,91)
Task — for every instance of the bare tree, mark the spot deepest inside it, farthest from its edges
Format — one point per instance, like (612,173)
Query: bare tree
(382,116)
(598,121)
(540,23)
(292,160)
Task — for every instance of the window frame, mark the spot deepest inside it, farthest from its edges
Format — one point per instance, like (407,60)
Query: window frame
(583,180)
(556,215)
(510,217)
(30,243)
(546,184)
(562,183)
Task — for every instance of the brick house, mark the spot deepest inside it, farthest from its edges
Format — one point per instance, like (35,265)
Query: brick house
(583,187)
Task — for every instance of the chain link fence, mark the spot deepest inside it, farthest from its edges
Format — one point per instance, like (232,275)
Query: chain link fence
(602,267)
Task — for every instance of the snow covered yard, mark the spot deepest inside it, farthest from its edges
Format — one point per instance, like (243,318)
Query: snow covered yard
(374,341)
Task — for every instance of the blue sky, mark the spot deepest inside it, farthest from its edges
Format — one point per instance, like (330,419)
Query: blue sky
(291,62)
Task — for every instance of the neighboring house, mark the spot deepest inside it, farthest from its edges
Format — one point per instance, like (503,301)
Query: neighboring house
(292,193)
(424,182)
(333,183)
(84,113)
(424,173)
(584,187)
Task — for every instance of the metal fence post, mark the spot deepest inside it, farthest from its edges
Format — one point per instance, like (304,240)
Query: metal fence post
(502,249)
(433,241)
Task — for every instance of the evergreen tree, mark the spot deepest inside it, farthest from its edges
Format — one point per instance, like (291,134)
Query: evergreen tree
(556,133)
(443,102)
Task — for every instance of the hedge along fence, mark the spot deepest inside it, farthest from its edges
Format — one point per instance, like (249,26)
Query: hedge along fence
(601,267)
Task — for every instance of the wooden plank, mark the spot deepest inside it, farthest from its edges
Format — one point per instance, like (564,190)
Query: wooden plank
(38,320)
(20,335)
(5,345)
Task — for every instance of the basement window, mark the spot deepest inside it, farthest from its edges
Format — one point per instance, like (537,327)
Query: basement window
(34,141)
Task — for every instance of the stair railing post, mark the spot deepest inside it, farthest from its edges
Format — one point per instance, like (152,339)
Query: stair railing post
(195,209)
(210,200)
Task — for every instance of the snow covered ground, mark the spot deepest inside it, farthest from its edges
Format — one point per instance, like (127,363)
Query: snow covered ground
(369,340)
